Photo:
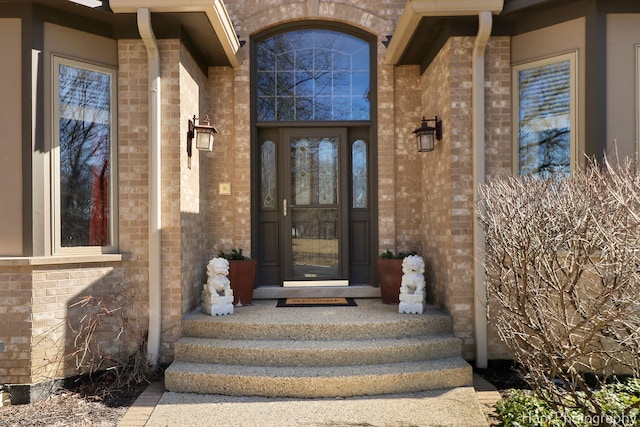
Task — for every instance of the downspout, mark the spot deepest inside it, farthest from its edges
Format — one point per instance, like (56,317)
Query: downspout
(155,217)
(478,123)
(406,28)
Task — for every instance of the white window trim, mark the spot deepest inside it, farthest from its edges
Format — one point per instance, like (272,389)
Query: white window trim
(55,161)
(572,57)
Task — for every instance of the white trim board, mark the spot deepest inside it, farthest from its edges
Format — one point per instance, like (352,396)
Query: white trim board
(314,283)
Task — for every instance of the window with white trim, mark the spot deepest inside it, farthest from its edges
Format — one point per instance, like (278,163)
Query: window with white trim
(84,157)
(545,116)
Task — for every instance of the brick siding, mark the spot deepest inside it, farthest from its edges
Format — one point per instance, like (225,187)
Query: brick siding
(447,193)
(45,314)
(425,200)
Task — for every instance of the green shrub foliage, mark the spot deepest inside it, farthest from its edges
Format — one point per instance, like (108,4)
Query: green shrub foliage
(523,408)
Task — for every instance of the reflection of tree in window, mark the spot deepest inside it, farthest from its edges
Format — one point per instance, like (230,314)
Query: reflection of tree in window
(359,174)
(309,75)
(544,132)
(84,102)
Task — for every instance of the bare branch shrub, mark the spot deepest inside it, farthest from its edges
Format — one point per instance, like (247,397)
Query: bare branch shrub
(563,263)
(107,337)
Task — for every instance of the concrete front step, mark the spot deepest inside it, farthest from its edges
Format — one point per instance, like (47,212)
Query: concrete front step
(316,353)
(318,382)
(367,321)
(265,350)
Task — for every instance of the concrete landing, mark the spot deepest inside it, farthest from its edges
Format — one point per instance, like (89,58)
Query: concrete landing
(454,407)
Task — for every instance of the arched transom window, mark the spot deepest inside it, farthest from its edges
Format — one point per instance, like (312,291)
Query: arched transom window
(313,75)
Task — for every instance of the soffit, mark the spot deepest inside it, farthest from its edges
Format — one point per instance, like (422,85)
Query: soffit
(210,46)
(192,27)
(424,25)
(206,23)
(431,34)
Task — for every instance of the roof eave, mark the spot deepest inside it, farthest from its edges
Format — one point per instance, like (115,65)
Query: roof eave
(415,10)
(215,11)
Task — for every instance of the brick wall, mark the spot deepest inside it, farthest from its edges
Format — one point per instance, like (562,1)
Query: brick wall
(408,162)
(253,16)
(185,241)
(222,218)
(15,327)
(447,194)
(66,300)
(186,190)
(45,307)
(498,155)
(195,183)
(460,284)
(133,169)
(184,210)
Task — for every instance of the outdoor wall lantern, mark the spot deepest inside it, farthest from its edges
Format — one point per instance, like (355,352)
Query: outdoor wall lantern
(202,132)
(426,135)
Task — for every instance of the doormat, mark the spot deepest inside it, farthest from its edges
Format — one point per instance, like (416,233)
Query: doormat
(316,302)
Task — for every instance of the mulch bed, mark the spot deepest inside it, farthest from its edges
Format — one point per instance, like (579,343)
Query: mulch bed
(85,403)
(503,375)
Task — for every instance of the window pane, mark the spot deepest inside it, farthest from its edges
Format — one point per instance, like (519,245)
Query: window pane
(266,83)
(268,175)
(325,65)
(544,119)
(314,171)
(301,171)
(359,174)
(266,109)
(85,145)
(328,174)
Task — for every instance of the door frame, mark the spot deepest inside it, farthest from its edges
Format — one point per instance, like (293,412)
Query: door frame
(363,252)
(363,268)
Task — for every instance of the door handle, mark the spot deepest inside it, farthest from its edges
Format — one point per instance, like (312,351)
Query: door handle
(285,207)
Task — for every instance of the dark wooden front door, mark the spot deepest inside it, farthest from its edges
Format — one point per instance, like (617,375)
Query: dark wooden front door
(314,206)
(304,236)
(313,231)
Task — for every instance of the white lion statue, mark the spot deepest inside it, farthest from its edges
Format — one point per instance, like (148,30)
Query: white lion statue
(412,286)
(413,275)
(217,272)
(217,295)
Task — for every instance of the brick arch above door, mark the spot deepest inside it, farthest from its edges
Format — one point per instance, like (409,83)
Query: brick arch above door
(340,12)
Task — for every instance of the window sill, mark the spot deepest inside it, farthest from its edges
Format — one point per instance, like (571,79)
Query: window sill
(58,260)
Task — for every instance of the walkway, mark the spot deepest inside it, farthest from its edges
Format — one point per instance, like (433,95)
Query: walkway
(464,406)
